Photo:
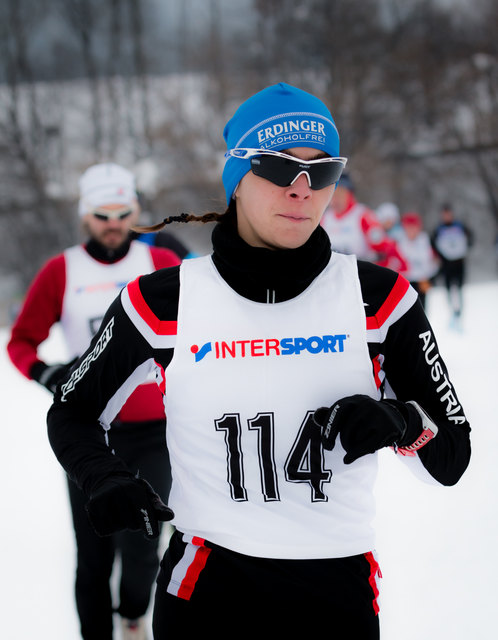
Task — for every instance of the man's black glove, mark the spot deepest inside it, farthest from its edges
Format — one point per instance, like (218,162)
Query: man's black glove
(49,375)
(127,502)
(366,425)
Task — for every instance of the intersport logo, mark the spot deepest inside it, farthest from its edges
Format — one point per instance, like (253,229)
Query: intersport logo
(269,347)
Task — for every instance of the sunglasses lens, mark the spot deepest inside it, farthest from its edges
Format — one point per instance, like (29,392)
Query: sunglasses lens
(283,171)
(325,174)
(280,171)
(108,216)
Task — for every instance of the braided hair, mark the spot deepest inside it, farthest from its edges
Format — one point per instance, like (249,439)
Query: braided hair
(184,217)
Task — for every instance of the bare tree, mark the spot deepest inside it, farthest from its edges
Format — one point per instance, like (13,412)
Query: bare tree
(80,15)
(115,50)
(140,68)
(26,209)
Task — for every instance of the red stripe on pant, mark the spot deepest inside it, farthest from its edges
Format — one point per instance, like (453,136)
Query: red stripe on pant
(194,568)
(374,574)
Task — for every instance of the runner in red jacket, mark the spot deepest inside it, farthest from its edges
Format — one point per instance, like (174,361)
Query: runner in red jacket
(354,229)
(74,289)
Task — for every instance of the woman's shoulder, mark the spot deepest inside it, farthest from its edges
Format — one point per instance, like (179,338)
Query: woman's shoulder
(379,284)
(160,291)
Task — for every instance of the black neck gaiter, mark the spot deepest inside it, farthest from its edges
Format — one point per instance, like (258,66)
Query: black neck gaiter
(103,254)
(266,275)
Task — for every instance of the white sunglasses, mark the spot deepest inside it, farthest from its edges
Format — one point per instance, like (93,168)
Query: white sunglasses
(283,169)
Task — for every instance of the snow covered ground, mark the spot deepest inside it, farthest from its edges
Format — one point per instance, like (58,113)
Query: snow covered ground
(436,545)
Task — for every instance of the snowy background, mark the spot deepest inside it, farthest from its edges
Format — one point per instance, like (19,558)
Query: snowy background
(436,545)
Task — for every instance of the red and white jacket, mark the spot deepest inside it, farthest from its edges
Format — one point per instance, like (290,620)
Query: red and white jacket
(356,230)
(75,289)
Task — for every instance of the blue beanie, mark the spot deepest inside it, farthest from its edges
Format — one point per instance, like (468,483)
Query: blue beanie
(278,117)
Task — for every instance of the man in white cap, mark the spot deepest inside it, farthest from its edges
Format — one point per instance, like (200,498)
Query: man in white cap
(75,289)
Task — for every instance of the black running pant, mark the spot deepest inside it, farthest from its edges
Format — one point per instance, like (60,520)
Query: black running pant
(143,447)
(453,272)
(227,594)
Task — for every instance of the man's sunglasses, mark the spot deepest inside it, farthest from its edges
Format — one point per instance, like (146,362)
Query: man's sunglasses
(283,169)
(111,215)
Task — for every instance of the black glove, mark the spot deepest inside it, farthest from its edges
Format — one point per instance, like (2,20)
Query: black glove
(49,375)
(366,425)
(127,502)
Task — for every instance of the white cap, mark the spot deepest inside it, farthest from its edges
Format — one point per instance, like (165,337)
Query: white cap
(106,183)
(387,212)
